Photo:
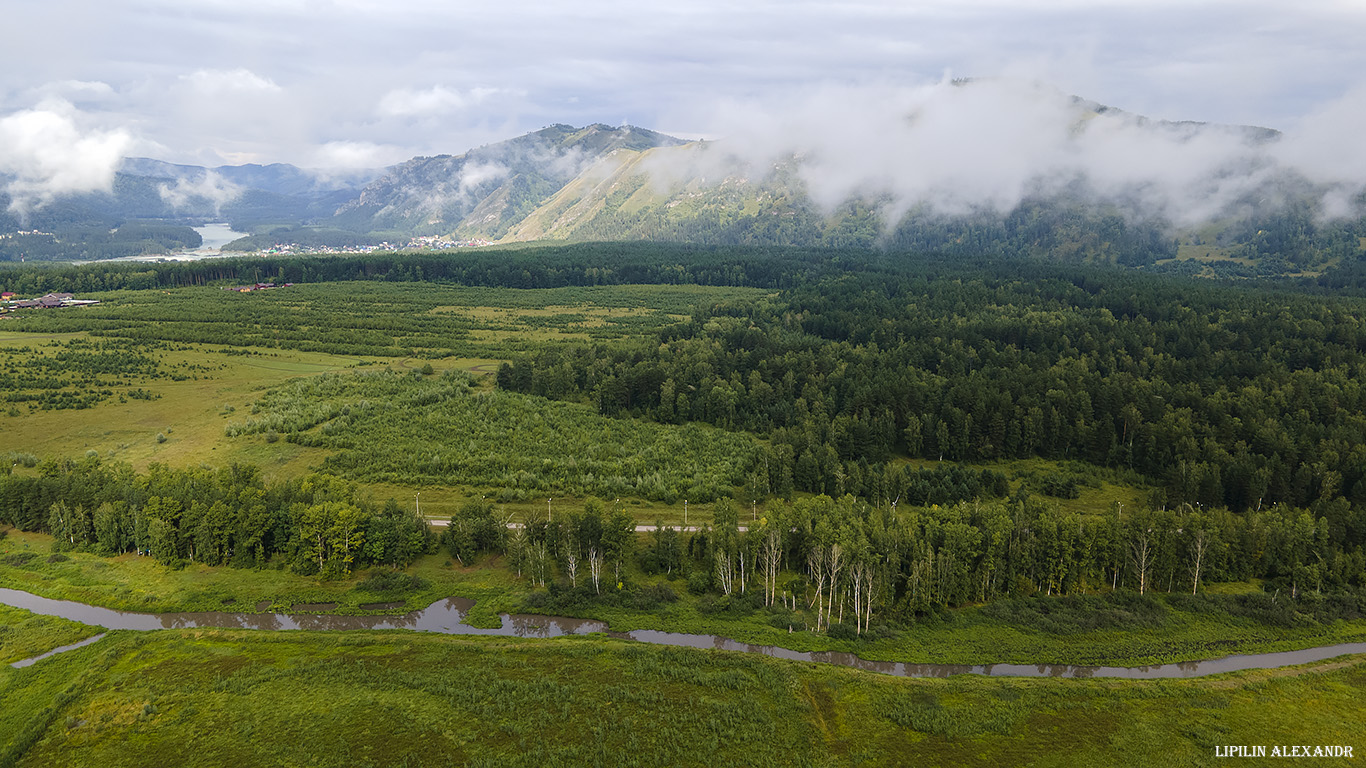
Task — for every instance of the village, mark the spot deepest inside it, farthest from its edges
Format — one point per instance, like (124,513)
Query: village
(8,302)
(256,287)
(419,243)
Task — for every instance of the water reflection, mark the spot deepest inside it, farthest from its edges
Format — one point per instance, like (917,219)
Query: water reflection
(448,617)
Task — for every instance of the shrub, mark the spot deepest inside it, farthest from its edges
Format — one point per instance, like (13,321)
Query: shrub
(782,618)
(842,632)
(699,582)
(652,596)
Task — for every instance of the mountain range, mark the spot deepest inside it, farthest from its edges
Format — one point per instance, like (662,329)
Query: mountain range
(601,182)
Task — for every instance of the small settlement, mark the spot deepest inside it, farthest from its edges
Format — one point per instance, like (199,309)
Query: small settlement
(257,287)
(50,301)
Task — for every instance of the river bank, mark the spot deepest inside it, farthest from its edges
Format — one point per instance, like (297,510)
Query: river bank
(448,617)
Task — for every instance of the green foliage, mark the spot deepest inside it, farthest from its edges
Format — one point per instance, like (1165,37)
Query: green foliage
(81,373)
(399,427)
(100,241)
(319,525)
(1188,385)
(374,319)
(1069,615)
(390,581)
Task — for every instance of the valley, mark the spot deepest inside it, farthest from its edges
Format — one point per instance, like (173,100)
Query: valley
(800,453)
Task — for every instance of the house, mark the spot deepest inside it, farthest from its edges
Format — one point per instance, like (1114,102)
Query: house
(52,301)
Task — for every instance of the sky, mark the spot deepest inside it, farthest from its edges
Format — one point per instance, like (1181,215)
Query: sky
(338,84)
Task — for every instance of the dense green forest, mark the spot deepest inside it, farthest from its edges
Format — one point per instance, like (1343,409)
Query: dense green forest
(528,267)
(308,237)
(230,516)
(105,240)
(864,399)
(874,569)
(1227,396)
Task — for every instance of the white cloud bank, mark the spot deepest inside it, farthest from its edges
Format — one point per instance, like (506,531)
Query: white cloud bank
(209,188)
(989,144)
(434,101)
(48,154)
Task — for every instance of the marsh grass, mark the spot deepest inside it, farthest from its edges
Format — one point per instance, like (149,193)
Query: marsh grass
(24,635)
(224,697)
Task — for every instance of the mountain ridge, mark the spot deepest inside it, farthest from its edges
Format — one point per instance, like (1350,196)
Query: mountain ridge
(600,182)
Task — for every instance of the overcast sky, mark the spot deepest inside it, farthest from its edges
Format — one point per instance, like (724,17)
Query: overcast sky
(364,83)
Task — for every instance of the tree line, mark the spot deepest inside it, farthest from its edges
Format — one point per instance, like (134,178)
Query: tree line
(317,524)
(851,567)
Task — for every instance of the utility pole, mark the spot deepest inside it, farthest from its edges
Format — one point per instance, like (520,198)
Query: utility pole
(417,502)
(685,514)
(548,518)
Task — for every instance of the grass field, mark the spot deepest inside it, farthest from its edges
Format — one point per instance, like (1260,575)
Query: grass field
(237,346)
(394,698)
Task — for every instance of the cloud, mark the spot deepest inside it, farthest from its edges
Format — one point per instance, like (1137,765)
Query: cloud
(209,188)
(77,90)
(49,154)
(958,148)
(355,155)
(437,100)
(474,174)
(241,80)
(1326,143)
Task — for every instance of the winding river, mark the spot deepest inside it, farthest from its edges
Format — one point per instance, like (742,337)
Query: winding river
(447,617)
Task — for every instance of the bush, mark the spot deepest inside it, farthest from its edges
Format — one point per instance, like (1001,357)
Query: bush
(699,582)
(842,632)
(1079,613)
(1059,486)
(782,618)
(19,558)
(652,596)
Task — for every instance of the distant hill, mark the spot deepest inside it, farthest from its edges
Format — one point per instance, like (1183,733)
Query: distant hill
(1237,215)
(601,183)
(487,191)
(276,178)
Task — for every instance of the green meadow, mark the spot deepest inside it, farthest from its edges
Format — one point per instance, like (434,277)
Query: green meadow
(220,697)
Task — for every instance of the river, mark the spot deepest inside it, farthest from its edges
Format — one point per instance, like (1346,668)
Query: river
(448,616)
